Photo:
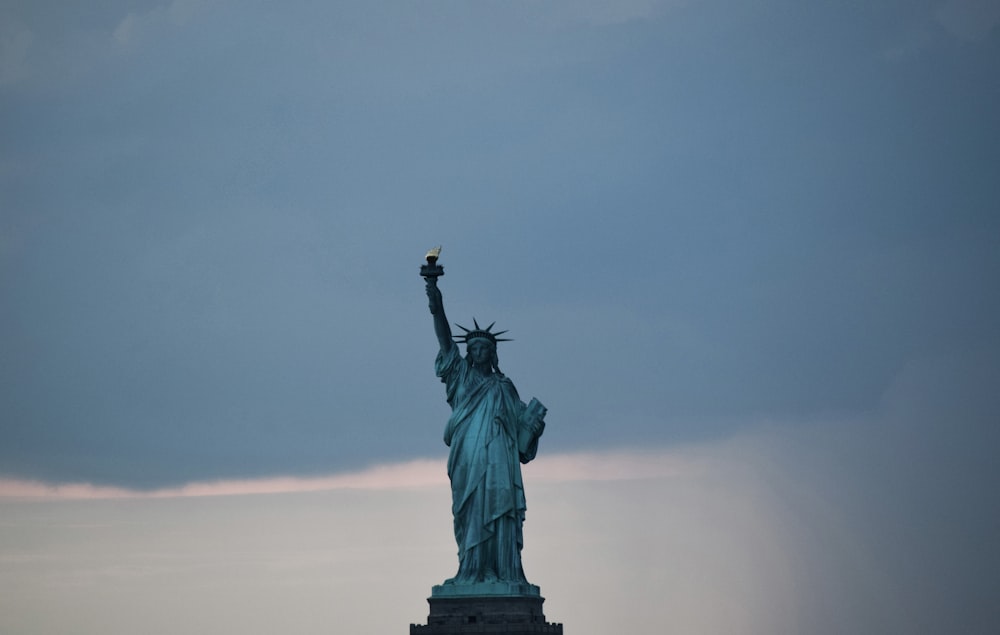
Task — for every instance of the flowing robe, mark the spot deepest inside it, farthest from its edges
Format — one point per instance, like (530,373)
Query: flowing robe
(487,492)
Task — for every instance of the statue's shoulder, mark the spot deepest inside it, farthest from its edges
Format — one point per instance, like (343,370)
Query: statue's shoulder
(449,362)
(507,386)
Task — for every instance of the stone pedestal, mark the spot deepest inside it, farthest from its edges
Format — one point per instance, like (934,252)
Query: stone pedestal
(454,611)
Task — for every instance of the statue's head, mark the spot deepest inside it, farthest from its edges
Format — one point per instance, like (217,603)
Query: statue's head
(481,345)
(481,352)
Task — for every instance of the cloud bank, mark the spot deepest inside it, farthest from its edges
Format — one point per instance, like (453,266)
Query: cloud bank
(877,524)
(691,215)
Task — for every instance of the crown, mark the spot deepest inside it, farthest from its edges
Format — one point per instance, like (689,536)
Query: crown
(481,332)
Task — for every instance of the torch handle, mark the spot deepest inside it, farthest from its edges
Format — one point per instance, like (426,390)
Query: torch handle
(434,271)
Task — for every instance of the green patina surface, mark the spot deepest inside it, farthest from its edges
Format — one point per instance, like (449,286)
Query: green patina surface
(491,432)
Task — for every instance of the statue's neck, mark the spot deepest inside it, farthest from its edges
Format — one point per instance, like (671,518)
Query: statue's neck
(483,369)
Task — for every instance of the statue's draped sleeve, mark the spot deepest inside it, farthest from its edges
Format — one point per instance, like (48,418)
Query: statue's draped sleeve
(453,371)
(483,463)
(463,394)
(490,433)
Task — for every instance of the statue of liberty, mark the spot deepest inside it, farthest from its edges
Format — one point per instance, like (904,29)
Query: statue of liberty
(490,433)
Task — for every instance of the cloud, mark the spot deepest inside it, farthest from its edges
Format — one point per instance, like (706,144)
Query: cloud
(420,473)
(211,287)
(582,467)
(877,523)
(779,529)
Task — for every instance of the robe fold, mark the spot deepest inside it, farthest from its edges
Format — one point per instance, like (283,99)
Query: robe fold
(484,466)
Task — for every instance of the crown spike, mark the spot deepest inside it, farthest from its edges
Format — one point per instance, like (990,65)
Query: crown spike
(479,332)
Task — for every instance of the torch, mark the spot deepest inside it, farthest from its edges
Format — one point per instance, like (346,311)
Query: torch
(432,270)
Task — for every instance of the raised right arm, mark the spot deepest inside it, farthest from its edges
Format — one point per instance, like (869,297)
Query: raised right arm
(441,327)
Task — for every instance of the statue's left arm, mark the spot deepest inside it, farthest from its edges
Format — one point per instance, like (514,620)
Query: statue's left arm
(530,427)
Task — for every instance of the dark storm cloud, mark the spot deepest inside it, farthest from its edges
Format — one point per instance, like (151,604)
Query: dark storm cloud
(213,216)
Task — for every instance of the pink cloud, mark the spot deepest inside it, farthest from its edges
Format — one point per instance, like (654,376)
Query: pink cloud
(591,466)
(418,473)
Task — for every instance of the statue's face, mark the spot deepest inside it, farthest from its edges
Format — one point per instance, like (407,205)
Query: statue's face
(480,351)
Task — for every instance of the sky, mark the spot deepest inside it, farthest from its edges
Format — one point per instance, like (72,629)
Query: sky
(748,254)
